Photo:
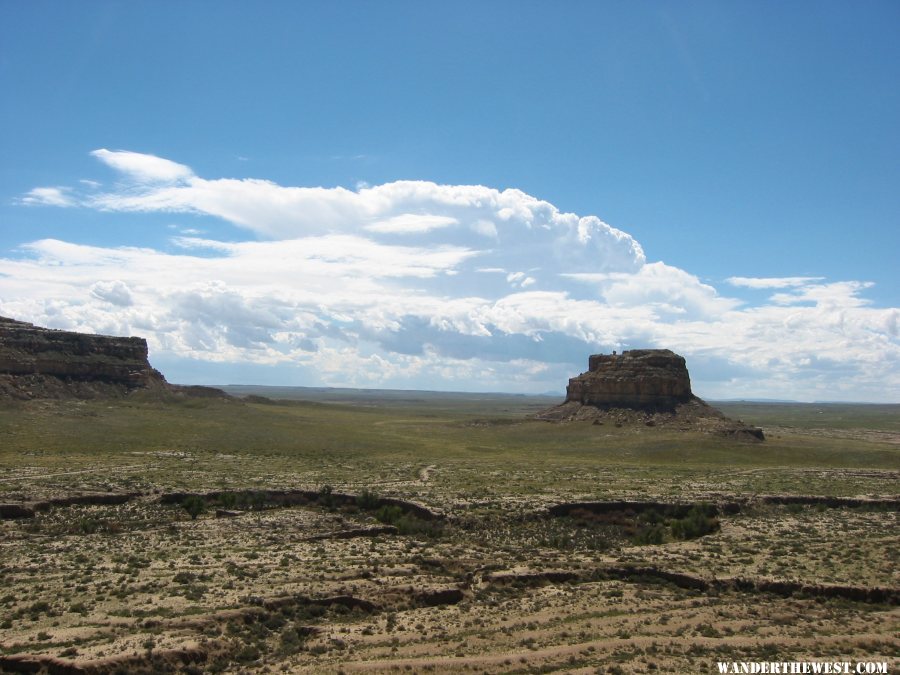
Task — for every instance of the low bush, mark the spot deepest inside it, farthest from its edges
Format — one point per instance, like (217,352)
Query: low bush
(407,523)
(699,521)
(651,534)
(326,498)
(389,514)
(367,501)
(194,505)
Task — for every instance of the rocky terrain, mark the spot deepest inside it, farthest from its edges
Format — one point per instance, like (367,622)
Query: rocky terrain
(38,362)
(649,387)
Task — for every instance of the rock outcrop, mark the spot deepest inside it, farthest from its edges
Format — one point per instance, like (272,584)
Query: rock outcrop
(651,379)
(40,362)
(642,387)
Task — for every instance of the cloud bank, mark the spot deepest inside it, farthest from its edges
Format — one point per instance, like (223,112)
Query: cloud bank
(415,284)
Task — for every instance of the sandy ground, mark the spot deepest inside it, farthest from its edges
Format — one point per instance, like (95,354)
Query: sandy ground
(277,590)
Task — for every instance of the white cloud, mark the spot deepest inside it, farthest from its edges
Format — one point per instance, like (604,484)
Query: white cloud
(838,294)
(410,223)
(659,286)
(510,216)
(143,168)
(415,284)
(317,302)
(114,292)
(486,228)
(520,279)
(771,282)
(48,196)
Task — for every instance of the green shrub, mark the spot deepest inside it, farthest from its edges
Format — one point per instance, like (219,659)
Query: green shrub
(367,501)
(227,500)
(407,523)
(184,577)
(410,524)
(651,534)
(699,521)
(651,516)
(389,514)
(195,591)
(87,525)
(248,653)
(255,500)
(326,498)
(564,542)
(194,505)
(291,641)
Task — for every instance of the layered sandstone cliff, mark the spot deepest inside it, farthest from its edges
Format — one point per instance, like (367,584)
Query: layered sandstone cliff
(642,387)
(40,362)
(640,378)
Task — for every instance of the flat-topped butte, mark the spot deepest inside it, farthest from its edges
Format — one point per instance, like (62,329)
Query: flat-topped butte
(642,387)
(26,349)
(37,363)
(639,378)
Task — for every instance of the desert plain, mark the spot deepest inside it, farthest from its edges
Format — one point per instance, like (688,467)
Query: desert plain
(302,530)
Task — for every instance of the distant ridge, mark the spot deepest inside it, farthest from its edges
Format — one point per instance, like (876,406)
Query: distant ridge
(239,389)
(787,401)
(755,400)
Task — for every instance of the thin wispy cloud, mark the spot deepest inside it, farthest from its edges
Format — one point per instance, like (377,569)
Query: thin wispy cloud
(771,282)
(418,284)
(143,168)
(48,196)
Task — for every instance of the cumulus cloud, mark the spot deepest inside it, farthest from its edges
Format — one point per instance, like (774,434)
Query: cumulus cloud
(664,288)
(511,217)
(114,292)
(415,284)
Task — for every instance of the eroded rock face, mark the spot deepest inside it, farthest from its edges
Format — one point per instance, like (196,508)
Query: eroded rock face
(640,378)
(40,362)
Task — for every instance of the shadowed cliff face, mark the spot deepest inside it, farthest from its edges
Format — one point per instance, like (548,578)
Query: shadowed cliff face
(640,378)
(40,362)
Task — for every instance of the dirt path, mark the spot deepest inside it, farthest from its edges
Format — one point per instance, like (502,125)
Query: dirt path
(425,473)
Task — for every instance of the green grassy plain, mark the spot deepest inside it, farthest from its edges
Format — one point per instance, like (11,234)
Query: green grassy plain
(192,443)
(871,416)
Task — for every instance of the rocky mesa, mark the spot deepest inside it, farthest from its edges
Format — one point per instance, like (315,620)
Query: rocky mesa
(650,387)
(649,379)
(40,362)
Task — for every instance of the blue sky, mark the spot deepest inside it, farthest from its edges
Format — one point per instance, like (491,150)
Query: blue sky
(506,187)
